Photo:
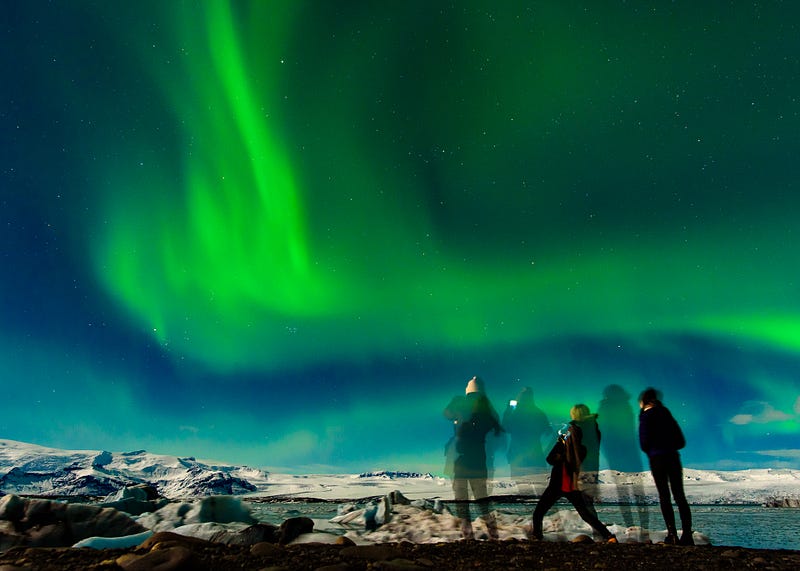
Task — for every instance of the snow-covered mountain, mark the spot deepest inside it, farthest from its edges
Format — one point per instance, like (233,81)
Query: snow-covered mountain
(30,469)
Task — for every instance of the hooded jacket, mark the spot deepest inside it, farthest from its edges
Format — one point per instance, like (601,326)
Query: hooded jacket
(659,432)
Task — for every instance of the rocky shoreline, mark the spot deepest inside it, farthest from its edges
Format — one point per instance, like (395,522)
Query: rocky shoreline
(168,551)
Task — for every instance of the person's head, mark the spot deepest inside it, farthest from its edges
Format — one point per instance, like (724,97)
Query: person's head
(649,397)
(475,385)
(525,395)
(579,412)
(615,392)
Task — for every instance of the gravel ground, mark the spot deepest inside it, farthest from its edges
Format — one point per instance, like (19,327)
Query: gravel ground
(165,552)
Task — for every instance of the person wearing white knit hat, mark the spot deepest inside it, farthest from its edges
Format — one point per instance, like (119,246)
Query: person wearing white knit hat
(474,385)
(473,418)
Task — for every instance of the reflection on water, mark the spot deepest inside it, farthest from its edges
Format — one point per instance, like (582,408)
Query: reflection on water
(745,526)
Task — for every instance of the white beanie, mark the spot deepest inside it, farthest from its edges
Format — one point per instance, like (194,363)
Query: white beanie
(474,385)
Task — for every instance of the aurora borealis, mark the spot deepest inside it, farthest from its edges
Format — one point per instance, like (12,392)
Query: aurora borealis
(285,233)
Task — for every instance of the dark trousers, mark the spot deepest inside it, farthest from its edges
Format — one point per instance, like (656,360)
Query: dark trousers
(668,474)
(548,500)
(461,494)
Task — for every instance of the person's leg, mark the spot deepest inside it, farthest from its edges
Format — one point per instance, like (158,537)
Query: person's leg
(461,495)
(546,501)
(480,492)
(659,467)
(578,501)
(623,499)
(676,485)
(588,486)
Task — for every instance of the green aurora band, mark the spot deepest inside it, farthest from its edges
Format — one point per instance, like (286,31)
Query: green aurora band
(249,258)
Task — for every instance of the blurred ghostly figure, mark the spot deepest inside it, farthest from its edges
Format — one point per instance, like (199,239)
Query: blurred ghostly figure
(527,426)
(473,418)
(621,451)
(582,416)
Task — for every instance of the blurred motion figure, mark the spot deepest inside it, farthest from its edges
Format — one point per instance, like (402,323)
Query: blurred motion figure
(621,451)
(473,418)
(527,425)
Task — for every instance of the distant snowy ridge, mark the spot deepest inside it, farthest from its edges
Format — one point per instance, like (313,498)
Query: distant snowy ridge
(395,475)
(29,469)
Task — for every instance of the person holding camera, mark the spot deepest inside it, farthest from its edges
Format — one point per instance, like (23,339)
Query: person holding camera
(527,426)
(566,457)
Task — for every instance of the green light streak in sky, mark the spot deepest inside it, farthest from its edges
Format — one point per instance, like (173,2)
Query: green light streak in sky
(224,244)
(370,218)
(780,331)
(270,169)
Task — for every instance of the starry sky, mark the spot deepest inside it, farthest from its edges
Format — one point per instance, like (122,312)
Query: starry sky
(286,233)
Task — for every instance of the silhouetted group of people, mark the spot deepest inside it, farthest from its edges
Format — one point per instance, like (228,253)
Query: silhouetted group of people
(574,457)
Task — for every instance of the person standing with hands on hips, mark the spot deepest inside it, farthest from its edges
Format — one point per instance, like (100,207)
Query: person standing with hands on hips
(660,438)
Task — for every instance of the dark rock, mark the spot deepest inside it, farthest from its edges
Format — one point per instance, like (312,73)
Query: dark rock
(175,558)
(12,508)
(294,527)
(260,532)
(398,499)
(46,523)
(787,502)
(264,549)
(102,459)
(166,539)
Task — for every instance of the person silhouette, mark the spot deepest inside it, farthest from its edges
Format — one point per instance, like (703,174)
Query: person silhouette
(473,417)
(621,451)
(660,437)
(566,457)
(590,466)
(527,425)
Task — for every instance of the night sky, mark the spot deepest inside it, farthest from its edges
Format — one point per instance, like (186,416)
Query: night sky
(286,233)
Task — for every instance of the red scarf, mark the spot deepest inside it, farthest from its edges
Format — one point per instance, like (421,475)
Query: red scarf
(566,480)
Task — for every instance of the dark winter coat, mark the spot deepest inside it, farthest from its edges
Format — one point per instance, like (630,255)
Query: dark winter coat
(527,425)
(474,417)
(567,456)
(590,432)
(659,432)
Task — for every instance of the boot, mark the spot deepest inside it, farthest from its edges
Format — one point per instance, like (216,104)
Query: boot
(686,538)
(672,536)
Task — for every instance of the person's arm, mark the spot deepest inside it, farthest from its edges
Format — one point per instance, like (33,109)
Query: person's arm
(451,411)
(678,439)
(644,442)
